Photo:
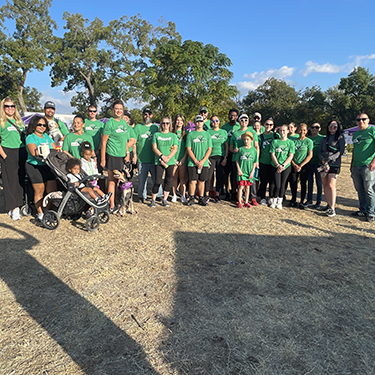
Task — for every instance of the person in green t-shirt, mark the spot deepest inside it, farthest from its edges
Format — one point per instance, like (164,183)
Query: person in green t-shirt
(204,113)
(312,169)
(246,165)
(180,169)
(199,147)
(303,154)
(282,152)
(53,123)
(218,158)
(72,141)
(94,127)
(164,146)
(117,138)
(230,173)
(12,157)
(363,166)
(145,156)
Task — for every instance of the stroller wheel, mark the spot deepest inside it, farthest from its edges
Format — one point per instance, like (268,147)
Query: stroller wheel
(51,220)
(92,224)
(103,217)
(26,210)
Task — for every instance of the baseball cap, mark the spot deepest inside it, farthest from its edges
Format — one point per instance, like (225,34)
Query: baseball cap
(244,116)
(49,104)
(147,110)
(198,118)
(203,109)
(257,114)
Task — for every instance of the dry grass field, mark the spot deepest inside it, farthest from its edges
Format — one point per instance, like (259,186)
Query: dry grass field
(191,290)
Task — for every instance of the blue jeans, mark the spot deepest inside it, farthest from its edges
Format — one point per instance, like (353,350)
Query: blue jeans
(143,169)
(312,170)
(364,183)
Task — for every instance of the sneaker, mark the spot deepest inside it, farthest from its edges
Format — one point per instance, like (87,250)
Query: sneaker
(100,201)
(239,205)
(152,204)
(165,203)
(358,214)
(301,206)
(263,202)
(371,219)
(279,203)
(247,205)
(331,212)
(308,204)
(10,213)
(207,199)
(324,209)
(183,199)
(273,202)
(16,214)
(217,200)
(202,201)
(292,204)
(174,199)
(227,197)
(254,202)
(316,206)
(190,201)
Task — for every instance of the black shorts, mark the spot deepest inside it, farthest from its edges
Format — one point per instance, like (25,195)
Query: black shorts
(39,174)
(334,170)
(114,162)
(195,176)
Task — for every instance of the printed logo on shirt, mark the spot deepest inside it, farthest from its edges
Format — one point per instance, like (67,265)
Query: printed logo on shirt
(148,136)
(11,128)
(217,136)
(361,139)
(267,142)
(247,156)
(281,149)
(164,139)
(200,139)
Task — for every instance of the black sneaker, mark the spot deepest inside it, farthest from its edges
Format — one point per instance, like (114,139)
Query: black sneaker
(202,201)
(324,209)
(358,214)
(227,197)
(370,219)
(217,199)
(308,204)
(152,204)
(331,212)
(165,203)
(190,201)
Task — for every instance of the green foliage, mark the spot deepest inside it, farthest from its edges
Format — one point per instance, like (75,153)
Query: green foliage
(26,49)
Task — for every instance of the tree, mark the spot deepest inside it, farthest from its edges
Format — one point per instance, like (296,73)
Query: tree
(27,48)
(184,76)
(104,62)
(275,98)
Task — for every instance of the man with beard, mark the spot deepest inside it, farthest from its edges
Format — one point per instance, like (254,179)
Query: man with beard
(54,123)
(144,154)
(204,113)
(229,177)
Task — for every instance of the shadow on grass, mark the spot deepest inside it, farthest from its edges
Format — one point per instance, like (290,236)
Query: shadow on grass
(248,304)
(92,340)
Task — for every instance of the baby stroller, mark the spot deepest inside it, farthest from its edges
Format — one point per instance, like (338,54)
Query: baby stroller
(72,203)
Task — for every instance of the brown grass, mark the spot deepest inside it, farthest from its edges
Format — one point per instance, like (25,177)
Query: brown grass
(191,290)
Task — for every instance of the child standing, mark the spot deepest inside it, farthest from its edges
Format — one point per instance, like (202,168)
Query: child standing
(246,159)
(73,167)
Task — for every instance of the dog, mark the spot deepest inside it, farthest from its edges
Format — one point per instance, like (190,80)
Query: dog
(55,133)
(124,190)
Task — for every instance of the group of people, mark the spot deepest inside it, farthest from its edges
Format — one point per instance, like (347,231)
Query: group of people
(238,160)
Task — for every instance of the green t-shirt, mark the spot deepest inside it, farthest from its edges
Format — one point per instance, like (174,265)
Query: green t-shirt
(181,146)
(10,137)
(164,143)
(207,125)
(237,142)
(293,137)
(33,138)
(72,143)
(230,129)
(119,135)
(246,159)
(95,129)
(62,127)
(199,143)
(282,149)
(302,148)
(265,142)
(316,141)
(364,146)
(218,138)
(144,134)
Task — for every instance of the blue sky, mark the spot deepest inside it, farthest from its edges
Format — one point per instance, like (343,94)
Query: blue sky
(305,42)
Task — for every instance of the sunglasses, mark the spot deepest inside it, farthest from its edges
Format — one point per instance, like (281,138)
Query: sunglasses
(41,124)
(165,123)
(244,119)
(361,119)
(212,121)
(92,110)
(315,127)
(9,106)
(267,123)
(203,112)
(256,117)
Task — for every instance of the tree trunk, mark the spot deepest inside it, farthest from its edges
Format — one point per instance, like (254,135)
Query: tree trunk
(20,92)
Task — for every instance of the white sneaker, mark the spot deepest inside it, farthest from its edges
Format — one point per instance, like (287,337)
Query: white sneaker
(272,202)
(263,202)
(279,203)
(16,214)
(183,199)
(174,199)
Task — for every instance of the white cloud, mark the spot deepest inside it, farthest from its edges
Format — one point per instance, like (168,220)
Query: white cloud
(258,78)
(313,67)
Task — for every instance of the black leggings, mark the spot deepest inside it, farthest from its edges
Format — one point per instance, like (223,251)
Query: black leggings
(293,178)
(215,165)
(159,170)
(232,170)
(280,180)
(266,177)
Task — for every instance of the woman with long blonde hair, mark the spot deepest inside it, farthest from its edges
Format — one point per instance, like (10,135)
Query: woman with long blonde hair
(12,157)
